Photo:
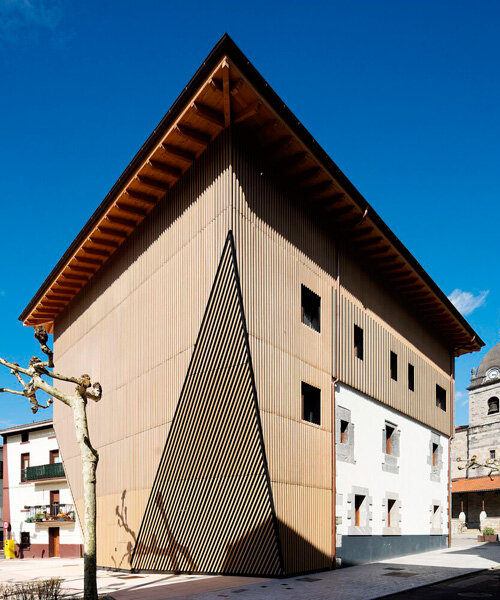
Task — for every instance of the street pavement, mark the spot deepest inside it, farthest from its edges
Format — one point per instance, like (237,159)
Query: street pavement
(363,582)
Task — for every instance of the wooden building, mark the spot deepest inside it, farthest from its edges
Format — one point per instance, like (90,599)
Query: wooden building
(236,295)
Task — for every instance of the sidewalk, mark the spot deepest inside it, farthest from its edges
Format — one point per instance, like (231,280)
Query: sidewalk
(363,582)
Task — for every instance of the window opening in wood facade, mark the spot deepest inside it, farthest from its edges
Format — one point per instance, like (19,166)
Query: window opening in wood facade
(435,451)
(311,308)
(411,377)
(394,366)
(358,503)
(389,432)
(391,509)
(440,397)
(311,403)
(493,405)
(358,342)
(344,425)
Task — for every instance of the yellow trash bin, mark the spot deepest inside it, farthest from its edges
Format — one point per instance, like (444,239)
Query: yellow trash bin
(10,548)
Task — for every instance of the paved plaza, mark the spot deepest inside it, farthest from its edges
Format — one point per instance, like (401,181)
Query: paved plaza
(363,582)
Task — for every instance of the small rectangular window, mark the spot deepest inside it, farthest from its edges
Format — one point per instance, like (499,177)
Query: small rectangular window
(492,454)
(343,431)
(25,436)
(358,503)
(358,342)
(440,397)
(394,366)
(54,457)
(25,463)
(411,377)
(389,431)
(436,517)
(311,308)
(391,509)
(435,450)
(311,403)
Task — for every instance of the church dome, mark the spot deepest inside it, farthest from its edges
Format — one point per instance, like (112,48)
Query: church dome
(490,360)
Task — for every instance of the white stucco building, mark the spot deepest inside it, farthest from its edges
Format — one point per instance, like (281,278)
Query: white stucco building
(37,502)
(391,481)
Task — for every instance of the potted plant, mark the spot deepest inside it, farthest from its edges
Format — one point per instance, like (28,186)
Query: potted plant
(38,516)
(30,520)
(489,535)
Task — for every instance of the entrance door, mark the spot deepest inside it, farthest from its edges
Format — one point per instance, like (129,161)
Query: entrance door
(53,542)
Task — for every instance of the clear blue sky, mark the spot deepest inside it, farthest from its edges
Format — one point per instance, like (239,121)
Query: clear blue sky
(405,97)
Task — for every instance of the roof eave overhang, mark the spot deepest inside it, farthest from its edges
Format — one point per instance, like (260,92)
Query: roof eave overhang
(227,90)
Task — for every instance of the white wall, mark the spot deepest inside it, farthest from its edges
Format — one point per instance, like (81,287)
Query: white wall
(36,493)
(413,485)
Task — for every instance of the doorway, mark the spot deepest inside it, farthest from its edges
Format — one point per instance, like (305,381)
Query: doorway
(53,542)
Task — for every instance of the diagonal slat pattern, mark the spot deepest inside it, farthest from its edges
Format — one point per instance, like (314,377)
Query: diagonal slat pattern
(210,509)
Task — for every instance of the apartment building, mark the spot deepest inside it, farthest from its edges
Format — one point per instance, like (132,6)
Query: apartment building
(278,369)
(38,506)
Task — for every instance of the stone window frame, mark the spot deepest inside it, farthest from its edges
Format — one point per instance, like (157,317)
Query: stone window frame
(344,452)
(435,472)
(435,530)
(390,463)
(367,514)
(393,529)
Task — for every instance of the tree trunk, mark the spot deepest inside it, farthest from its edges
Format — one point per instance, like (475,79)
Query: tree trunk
(89,465)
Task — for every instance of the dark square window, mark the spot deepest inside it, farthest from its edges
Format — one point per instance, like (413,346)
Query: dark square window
(358,342)
(440,397)
(344,425)
(311,403)
(311,308)
(394,366)
(411,377)
(492,454)
(25,436)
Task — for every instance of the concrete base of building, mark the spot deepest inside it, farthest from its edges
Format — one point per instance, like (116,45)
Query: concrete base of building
(359,549)
(42,551)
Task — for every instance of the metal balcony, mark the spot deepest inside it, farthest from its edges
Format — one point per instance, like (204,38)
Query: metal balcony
(40,472)
(48,513)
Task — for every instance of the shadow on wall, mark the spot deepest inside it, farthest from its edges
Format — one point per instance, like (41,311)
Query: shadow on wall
(275,201)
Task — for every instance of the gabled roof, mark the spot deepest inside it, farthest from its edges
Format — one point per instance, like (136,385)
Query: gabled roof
(226,91)
(45,424)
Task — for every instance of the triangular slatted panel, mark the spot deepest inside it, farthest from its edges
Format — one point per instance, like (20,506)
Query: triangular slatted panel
(210,509)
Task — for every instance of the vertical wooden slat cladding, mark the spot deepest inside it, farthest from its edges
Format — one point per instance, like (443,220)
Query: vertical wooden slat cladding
(133,327)
(210,509)
(372,374)
(279,248)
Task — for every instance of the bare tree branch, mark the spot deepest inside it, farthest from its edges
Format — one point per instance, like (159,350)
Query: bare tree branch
(42,337)
(95,392)
(492,464)
(14,367)
(16,392)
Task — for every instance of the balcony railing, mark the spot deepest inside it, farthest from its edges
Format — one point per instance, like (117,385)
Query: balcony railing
(52,471)
(46,513)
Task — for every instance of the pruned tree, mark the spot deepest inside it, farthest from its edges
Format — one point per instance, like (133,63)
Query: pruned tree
(491,464)
(32,379)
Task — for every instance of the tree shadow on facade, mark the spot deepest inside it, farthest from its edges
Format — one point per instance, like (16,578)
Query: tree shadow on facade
(163,545)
